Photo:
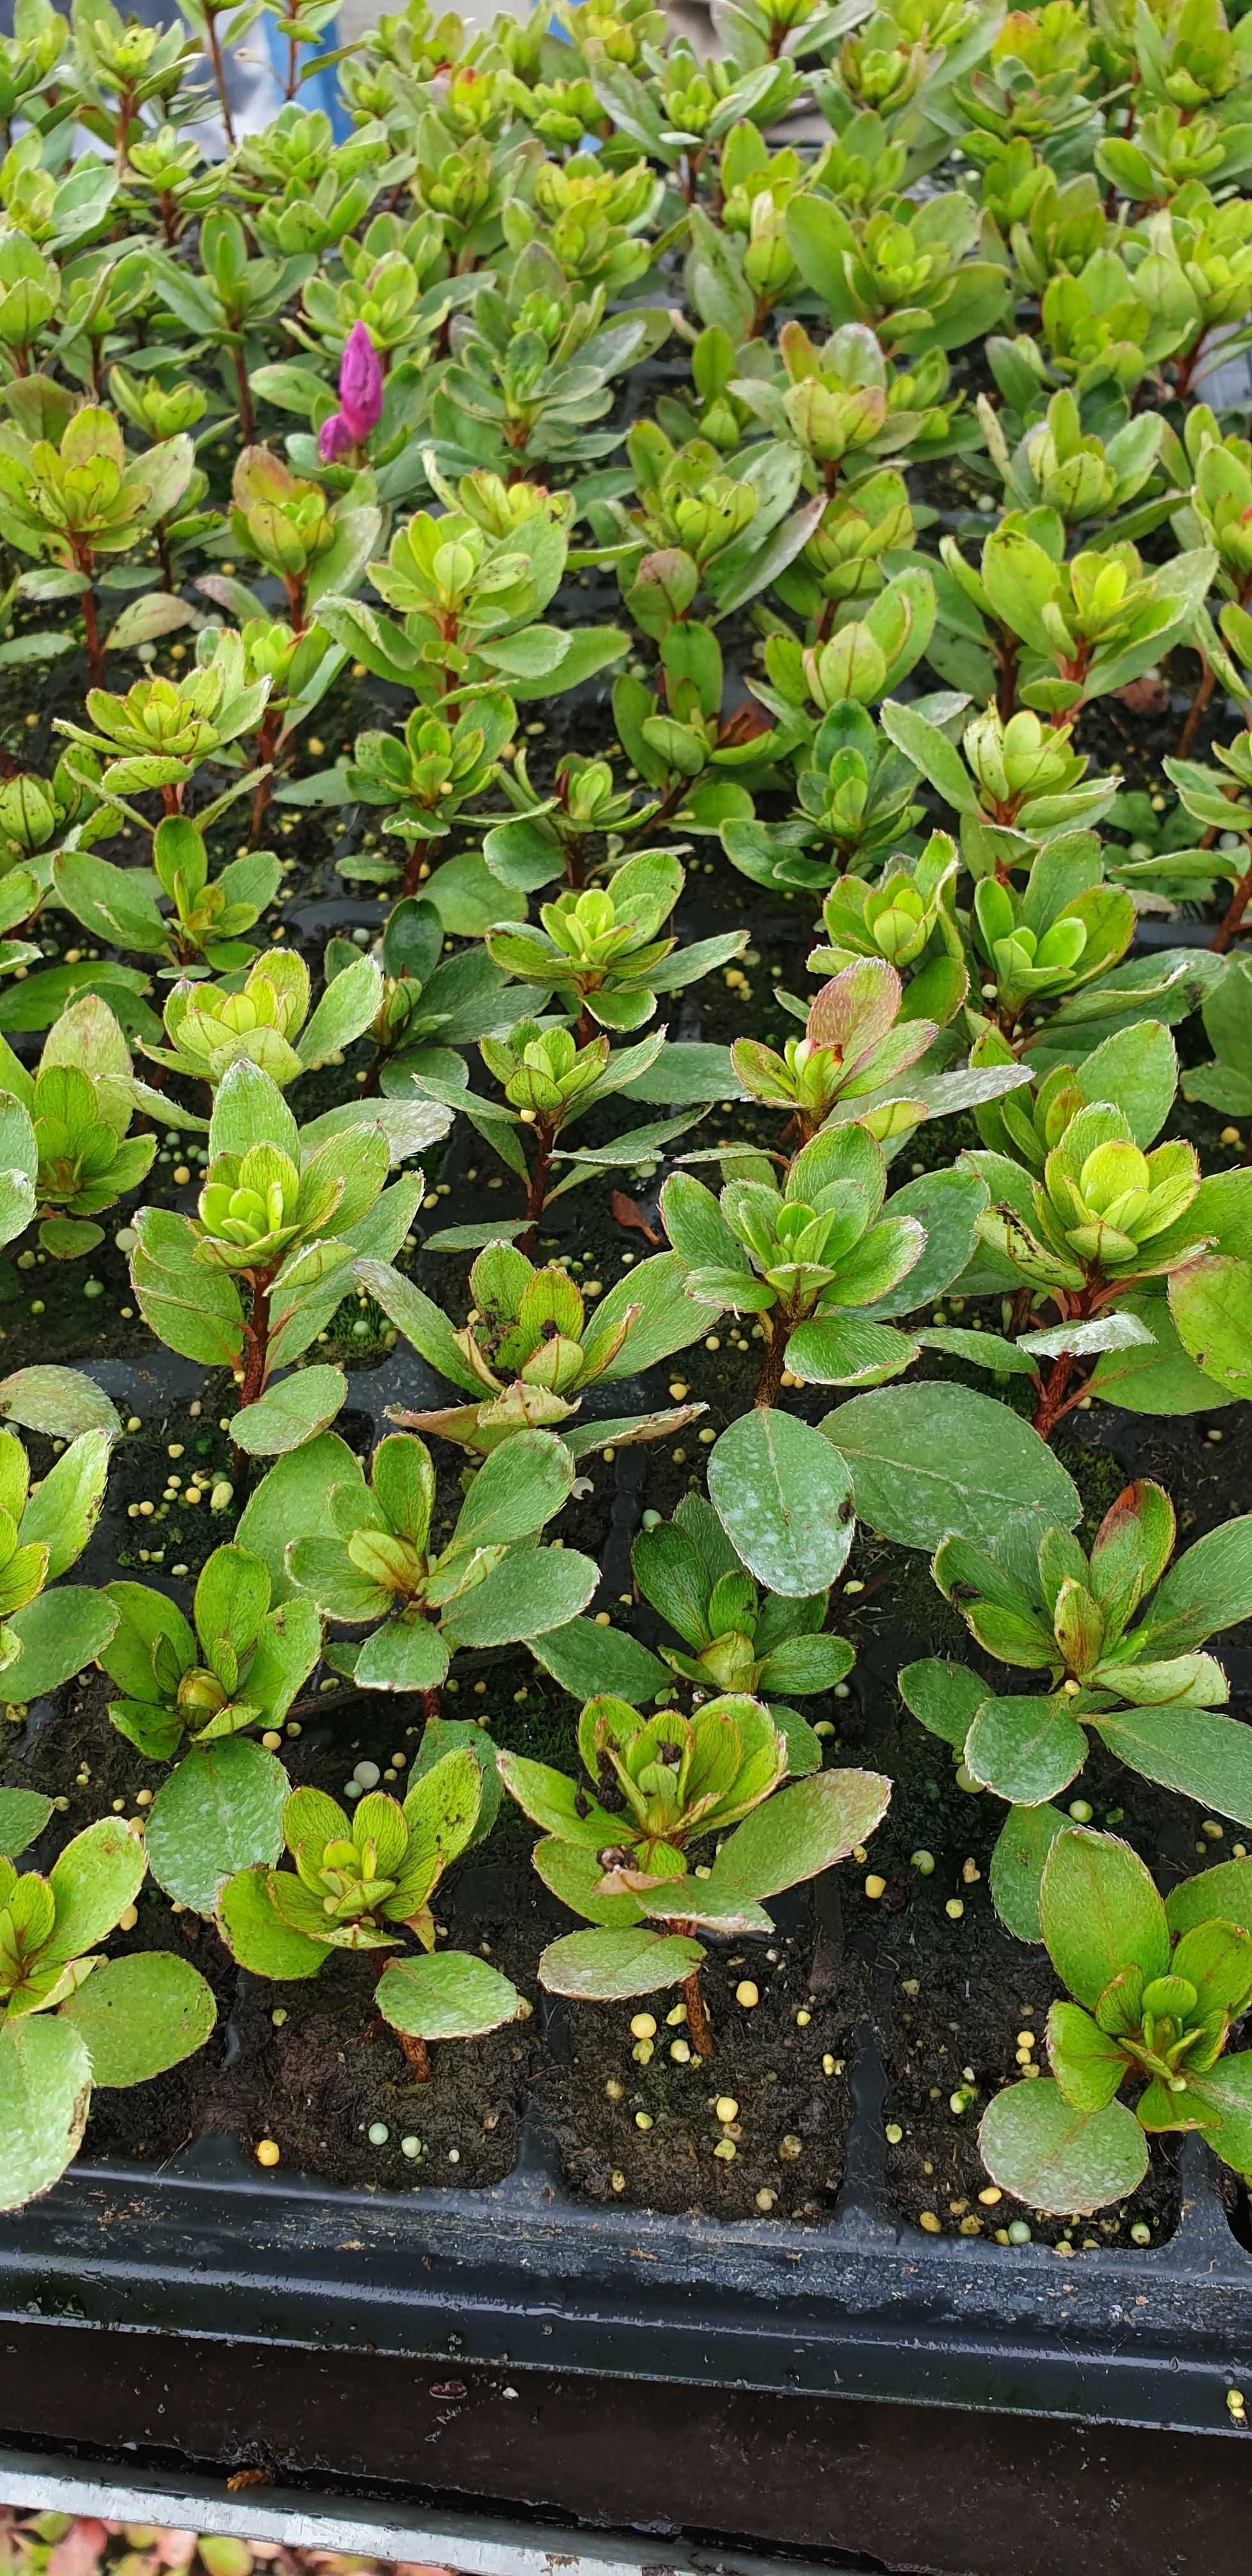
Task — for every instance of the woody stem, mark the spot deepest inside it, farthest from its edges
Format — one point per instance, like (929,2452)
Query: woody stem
(219,72)
(416,2055)
(545,1139)
(1052,1393)
(769,1383)
(414,2051)
(1234,913)
(697,2018)
(266,740)
(1204,691)
(256,1355)
(91,632)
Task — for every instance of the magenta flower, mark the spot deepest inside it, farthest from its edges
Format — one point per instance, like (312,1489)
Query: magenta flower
(334,439)
(360,386)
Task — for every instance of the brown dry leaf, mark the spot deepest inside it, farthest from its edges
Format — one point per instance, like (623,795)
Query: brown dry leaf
(627,1212)
(1146,697)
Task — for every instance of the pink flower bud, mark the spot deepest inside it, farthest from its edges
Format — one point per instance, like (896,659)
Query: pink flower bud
(360,385)
(334,439)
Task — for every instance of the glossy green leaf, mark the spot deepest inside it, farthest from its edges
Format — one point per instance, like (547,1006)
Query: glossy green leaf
(45,2091)
(255,1933)
(784,1500)
(932,1461)
(1025,1749)
(1100,1913)
(448,1994)
(606,1967)
(290,1413)
(588,1660)
(1017,1865)
(219,1812)
(1066,2162)
(139,2015)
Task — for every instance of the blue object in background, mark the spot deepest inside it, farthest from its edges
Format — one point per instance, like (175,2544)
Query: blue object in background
(319,88)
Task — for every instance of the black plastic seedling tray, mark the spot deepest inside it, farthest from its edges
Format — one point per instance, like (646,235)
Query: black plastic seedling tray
(524,2276)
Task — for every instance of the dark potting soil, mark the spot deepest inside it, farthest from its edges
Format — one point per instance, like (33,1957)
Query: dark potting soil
(758,2126)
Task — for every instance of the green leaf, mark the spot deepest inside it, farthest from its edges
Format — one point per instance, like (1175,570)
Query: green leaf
(68,1239)
(1116,1332)
(1162,1379)
(1137,1069)
(1025,1750)
(1017,1865)
(421,1321)
(1034,2144)
(668,1320)
(572,1872)
(248,1110)
(446,1995)
(63,1513)
(947,1204)
(468,899)
(402,1655)
(518,1487)
(533,1591)
(292,1503)
(256,1935)
(1216,1958)
(929,1462)
(1209,1588)
(58,1401)
(93,1881)
(839,1350)
(1088,2065)
(17,1204)
(931,753)
(345,1010)
(23,1814)
(1194,1750)
(143,1616)
(45,2091)
(804,1664)
(442,1735)
(684,1073)
(608,1967)
(1211,1304)
(1223,1895)
(697,1229)
(799,1832)
(295,1410)
(193,1309)
(61,1633)
(1100,1913)
(783,1499)
(1228,2093)
(219,1812)
(945,1697)
(588,1660)
(140,2015)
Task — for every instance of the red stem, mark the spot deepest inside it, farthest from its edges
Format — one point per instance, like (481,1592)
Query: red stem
(545,1139)
(769,1384)
(91,630)
(697,2018)
(1238,905)
(256,1334)
(219,72)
